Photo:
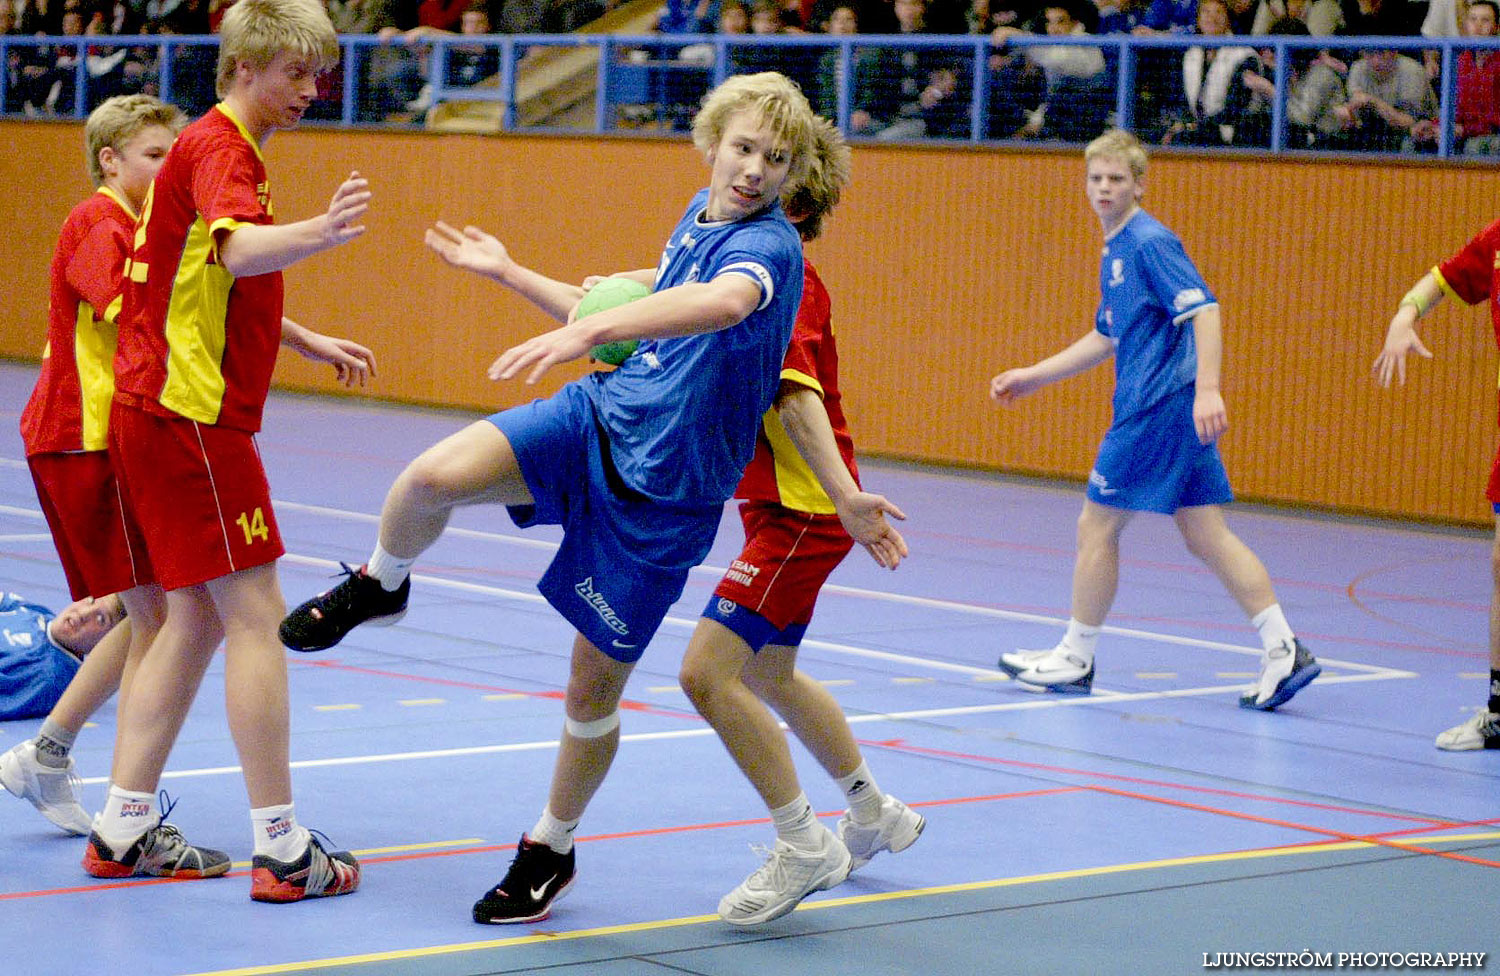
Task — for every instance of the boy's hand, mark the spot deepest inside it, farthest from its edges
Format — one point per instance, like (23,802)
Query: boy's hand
(1209,416)
(470,249)
(863,516)
(350,203)
(1400,339)
(541,353)
(352,363)
(1011,385)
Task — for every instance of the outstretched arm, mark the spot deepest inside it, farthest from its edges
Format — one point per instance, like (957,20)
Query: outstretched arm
(472,249)
(863,513)
(1401,336)
(1088,351)
(352,362)
(703,306)
(255,249)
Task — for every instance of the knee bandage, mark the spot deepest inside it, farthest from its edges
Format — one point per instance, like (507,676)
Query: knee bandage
(595,729)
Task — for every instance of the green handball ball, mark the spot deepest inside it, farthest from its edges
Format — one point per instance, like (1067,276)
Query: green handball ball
(606,295)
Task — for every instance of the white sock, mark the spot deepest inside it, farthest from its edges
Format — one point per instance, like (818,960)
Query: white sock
(556,834)
(797,824)
(1274,630)
(390,571)
(863,794)
(125,817)
(1080,638)
(277,832)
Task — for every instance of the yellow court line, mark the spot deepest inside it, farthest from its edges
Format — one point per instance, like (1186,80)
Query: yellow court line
(534,938)
(413,702)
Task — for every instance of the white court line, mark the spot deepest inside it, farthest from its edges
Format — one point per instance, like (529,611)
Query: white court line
(926,602)
(1040,701)
(1100,696)
(27,537)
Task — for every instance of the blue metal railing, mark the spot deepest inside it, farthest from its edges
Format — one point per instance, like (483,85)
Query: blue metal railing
(648,69)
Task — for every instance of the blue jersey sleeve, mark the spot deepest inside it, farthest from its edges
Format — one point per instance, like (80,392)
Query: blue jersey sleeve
(1174,282)
(760,254)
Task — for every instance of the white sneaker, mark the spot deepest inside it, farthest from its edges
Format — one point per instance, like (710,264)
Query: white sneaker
(1480,732)
(897,829)
(788,876)
(1061,669)
(51,790)
(1284,671)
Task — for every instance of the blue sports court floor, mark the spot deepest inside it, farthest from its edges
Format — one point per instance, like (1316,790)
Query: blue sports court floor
(1145,829)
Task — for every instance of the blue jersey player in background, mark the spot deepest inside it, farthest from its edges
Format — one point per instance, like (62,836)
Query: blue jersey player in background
(1160,321)
(635,464)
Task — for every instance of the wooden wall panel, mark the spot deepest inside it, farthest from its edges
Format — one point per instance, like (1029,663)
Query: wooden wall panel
(945,265)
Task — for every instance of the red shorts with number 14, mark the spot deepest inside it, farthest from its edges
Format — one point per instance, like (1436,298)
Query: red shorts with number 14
(197,492)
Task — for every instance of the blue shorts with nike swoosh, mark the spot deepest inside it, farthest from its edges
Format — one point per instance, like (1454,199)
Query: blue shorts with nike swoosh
(624,558)
(1153,462)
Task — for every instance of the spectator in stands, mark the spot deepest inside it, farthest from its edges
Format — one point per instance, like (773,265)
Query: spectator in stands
(194,66)
(41,17)
(1314,91)
(765,21)
(467,64)
(1391,105)
(48,75)
(113,69)
(1170,17)
(1075,98)
(684,17)
(1377,18)
(1120,16)
(1322,17)
(1213,100)
(1476,118)
(1241,16)
(912,92)
(843,21)
(875,16)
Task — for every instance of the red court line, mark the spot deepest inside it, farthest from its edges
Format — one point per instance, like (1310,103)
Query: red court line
(631,706)
(1414,831)
(900,745)
(1271,821)
(494,848)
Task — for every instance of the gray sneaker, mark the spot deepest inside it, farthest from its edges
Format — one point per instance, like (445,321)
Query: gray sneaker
(788,876)
(53,790)
(897,829)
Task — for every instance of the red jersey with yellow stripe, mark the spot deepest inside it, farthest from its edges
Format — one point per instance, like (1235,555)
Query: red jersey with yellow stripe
(69,409)
(777,472)
(196,341)
(1473,274)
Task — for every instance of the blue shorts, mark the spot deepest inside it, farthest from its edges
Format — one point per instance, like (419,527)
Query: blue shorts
(1153,462)
(751,627)
(624,558)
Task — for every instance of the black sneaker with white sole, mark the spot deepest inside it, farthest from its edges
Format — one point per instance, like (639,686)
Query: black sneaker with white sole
(324,620)
(537,878)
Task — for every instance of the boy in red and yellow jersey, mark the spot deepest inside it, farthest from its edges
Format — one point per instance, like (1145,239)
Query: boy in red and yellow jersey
(64,428)
(803,512)
(1471,276)
(199,332)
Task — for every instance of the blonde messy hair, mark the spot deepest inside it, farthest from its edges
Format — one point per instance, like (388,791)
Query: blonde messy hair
(828,165)
(258,30)
(1121,145)
(120,119)
(776,102)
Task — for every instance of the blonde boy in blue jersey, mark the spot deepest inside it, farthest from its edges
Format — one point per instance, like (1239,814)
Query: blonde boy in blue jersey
(635,463)
(1160,322)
